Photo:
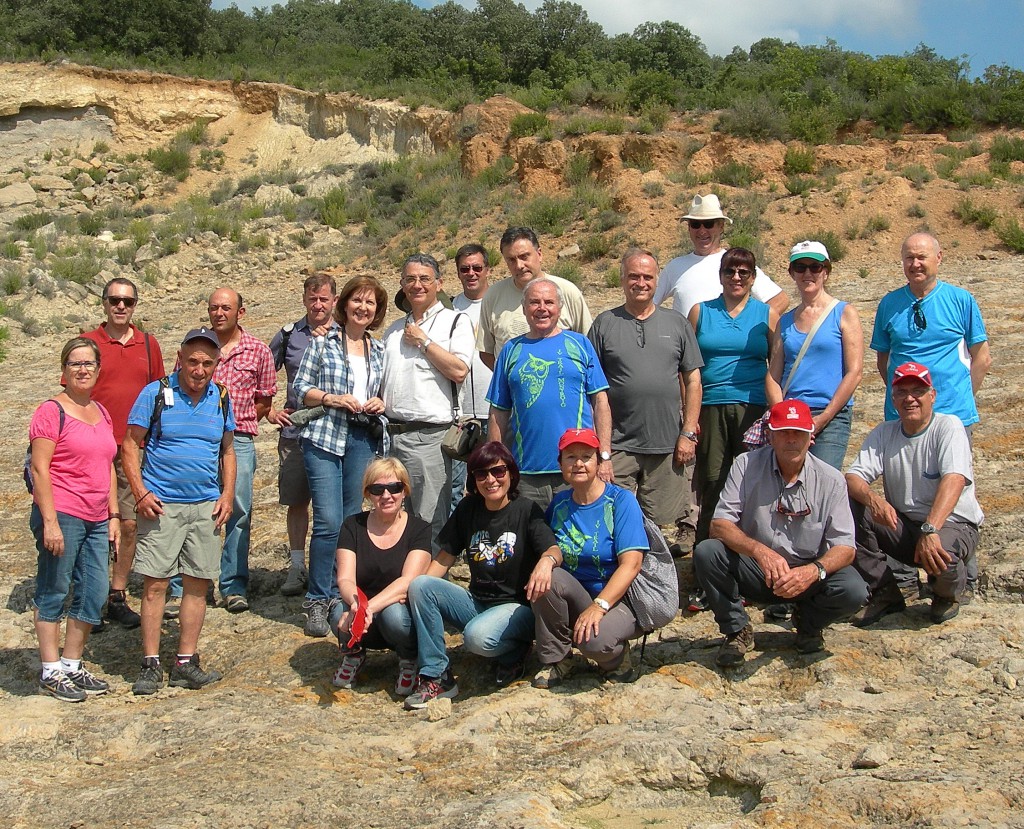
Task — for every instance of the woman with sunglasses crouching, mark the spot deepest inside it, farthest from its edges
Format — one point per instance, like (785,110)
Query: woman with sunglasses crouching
(511,552)
(380,552)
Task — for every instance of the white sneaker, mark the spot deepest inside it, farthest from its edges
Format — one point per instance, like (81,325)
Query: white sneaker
(295,581)
(406,677)
(351,664)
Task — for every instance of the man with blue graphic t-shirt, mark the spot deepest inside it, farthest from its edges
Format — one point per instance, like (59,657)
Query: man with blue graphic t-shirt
(184,494)
(546,381)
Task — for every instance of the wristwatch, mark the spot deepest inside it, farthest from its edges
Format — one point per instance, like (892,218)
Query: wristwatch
(426,343)
(822,572)
(928,529)
(691,436)
(601,603)
(605,456)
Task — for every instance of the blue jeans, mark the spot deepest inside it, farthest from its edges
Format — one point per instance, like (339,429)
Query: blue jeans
(831,442)
(84,563)
(234,559)
(503,630)
(336,487)
(391,629)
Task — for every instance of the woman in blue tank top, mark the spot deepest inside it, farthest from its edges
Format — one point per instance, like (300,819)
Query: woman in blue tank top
(735,333)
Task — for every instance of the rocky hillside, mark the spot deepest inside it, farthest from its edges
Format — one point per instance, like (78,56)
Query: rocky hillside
(905,724)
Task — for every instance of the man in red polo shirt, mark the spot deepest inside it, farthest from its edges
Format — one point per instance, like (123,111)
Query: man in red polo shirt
(130,360)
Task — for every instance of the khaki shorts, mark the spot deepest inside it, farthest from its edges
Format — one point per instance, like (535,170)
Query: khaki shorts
(658,484)
(292,484)
(182,540)
(125,499)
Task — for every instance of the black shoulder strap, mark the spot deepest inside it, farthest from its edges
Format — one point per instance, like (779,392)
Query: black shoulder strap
(286,335)
(158,407)
(60,423)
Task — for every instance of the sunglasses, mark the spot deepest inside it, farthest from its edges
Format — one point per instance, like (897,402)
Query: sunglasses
(788,513)
(920,320)
(641,335)
(499,473)
(742,273)
(394,487)
(471,268)
(126,301)
(813,267)
(707,224)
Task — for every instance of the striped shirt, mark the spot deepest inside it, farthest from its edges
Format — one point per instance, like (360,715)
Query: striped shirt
(248,372)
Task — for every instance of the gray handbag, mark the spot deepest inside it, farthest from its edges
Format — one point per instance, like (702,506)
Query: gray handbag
(654,594)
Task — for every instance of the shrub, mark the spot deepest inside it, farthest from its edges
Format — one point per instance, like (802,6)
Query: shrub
(735,174)
(607,219)
(10,250)
(835,246)
(653,189)
(1011,234)
(100,147)
(755,116)
(876,224)
(567,269)
(33,221)
(971,214)
(798,161)
(915,211)
(499,173)
(90,224)
(547,214)
(528,123)
(799,185)
(174,161)
(612,277)
(577,168)
(917,175)
(13,282)
(595,247)
(1006,148)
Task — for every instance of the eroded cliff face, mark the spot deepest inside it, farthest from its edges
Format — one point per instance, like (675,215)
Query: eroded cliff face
(50,107)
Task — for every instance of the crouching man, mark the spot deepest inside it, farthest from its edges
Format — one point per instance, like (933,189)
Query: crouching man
(782,530)
(929,515)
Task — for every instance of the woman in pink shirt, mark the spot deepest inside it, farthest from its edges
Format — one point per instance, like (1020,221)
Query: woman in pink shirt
(74,520)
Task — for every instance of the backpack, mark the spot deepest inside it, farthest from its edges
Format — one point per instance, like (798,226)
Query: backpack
(654,594)
(27,471)
(159,405)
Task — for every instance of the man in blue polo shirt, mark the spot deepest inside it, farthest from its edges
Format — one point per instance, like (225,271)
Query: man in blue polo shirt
(184,494)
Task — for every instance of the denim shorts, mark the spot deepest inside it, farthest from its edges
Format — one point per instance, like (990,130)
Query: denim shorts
(83,565)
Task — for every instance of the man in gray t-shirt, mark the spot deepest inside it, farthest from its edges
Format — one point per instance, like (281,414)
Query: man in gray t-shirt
(929,515)
(640,347)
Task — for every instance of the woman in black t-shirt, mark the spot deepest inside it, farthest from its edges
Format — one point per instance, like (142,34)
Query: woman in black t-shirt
(510,551)
(380,551)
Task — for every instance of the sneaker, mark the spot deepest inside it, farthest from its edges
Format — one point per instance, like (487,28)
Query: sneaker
(294,582)
(84,680)
(351,663)
(119,611)
(810,641)
(428,688)
(190,675)
(151,678)
(698,601)
(317,611)
(173,607)
(780,612)
(886,600)
(555,674)
(505,675)
(406,681)
(943,609)
(59,685)
(236,603)
(623,672)
(735,647)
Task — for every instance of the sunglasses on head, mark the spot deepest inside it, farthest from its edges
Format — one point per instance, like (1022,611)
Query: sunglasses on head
(707,224)
(127,301)
(471,268)
(499,472)
(813,267)
(920,320)
(394,487)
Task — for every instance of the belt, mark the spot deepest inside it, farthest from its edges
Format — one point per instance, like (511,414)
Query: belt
(244,436)
(400,427)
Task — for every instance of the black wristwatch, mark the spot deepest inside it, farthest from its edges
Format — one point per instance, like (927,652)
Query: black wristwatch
(822,572)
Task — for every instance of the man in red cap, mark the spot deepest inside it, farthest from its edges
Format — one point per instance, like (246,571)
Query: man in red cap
(929,516)
(782,530)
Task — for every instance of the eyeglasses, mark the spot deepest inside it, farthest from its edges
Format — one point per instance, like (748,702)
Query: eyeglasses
(920,320)
(88,365)
(917,392)
(499,472)
(742,273)
(394,487)
(707,224)
(126,301)
(471,268)
(813,267)
(788,513)
(418,280)
(641,336)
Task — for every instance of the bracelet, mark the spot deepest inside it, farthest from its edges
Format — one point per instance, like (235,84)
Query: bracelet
(323,400)
(143,498)
(114,515)
(554,562)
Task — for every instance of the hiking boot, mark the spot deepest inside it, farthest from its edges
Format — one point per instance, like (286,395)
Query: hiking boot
(351,663)
(968,595)
(295,581)
(698,601)
(85,681)
(943,609)
(428,689)
(735,647)
(99,627)
(623,672)
(236,603)
(59,685)
(151,678)
(505,675)
(810,641)
(780,611)
(406,682)
(190,675)
(317,611)
(119,611)
(885,600)
(556,673)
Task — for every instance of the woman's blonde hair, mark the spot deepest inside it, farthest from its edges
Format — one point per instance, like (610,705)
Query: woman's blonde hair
(385,466)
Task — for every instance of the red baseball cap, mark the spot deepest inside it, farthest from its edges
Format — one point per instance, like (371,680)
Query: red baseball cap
(585,436)
(791,414)
(912,371)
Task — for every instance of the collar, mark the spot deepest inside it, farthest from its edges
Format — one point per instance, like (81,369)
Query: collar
(137,336)
(432,311)
(777,471)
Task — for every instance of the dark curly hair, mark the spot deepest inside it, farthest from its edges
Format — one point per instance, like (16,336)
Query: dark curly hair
(489,454)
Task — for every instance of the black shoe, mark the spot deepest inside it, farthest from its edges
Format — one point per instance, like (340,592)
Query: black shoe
(810,641)
(698,601)
(119,611)
(151,678)
(943,609)
(428,689)
(190,675)
(92,685)
(505,675)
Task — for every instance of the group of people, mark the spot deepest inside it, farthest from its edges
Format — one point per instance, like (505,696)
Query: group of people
(593,432)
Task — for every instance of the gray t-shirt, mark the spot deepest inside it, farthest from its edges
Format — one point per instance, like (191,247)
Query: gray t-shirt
(757,499)
(641,360)
(913,466)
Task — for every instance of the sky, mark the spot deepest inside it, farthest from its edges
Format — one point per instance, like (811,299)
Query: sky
(986,31)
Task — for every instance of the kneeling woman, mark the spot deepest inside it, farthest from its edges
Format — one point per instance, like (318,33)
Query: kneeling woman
(600,530)
(511,552)
(380,552)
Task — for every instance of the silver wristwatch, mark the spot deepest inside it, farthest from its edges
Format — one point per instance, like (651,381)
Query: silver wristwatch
(601,603)
(928,529)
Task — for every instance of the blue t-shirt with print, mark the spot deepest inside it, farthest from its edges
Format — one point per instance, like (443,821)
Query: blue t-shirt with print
(182,465)
(593,536)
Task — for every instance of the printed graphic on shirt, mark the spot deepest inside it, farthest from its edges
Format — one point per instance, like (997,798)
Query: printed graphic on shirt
(533,374)
(583,542)
(483,550)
